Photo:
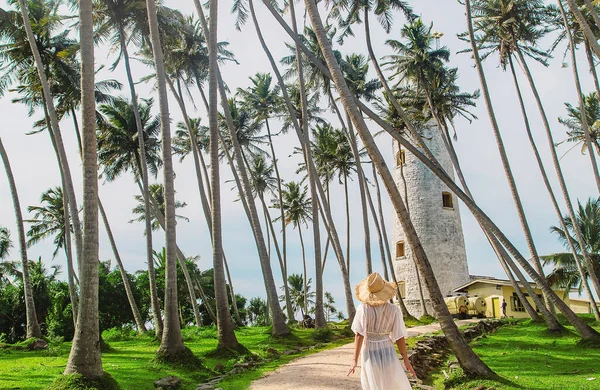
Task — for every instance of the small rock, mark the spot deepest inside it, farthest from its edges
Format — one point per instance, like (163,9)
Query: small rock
(38,345)
(273,351)
(289,352)
(168,383)
(242,365)
(204,386)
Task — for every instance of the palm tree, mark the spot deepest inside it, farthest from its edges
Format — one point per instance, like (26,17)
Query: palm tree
(573,122)
(227,338)
(470,362)
(120,150)
(330,309)
(49,219)
(157,192)
(26,55)
(567,268)
(297,210)
(301,295)
(329,223)
(263,100)
(85,356)
(33,328)
(5,242)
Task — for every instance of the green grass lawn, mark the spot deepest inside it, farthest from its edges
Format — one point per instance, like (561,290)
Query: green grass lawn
(129,361)
(526,357)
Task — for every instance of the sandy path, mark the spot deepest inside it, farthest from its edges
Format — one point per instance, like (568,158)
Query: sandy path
(325,370)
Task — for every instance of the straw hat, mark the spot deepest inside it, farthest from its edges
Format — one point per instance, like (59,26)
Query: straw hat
(374,290)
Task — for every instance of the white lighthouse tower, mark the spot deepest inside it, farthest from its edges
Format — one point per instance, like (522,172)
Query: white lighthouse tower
(434,213)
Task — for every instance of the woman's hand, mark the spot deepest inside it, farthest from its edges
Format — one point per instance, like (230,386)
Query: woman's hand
(409,367)
(352,367)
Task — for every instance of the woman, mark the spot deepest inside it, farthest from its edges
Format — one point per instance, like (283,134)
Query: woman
(377,325)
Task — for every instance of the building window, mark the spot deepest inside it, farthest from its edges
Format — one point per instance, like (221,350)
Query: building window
(517,305)
(400,157)
(447,200)
(400,249)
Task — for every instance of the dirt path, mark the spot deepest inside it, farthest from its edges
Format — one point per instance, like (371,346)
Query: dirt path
(326,370)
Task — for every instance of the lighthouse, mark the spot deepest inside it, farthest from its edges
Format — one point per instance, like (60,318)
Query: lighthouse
(434,212)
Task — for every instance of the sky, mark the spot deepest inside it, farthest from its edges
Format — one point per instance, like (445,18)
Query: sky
(35,167)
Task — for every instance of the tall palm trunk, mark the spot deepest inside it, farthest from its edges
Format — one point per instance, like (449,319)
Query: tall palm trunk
(585,27)
(286,289)
(279,325)
(32,325)
(305,280)
(584,123)
(329,223)
(388,253)
(384,267)
(227,337)
(143,173)
(203,200)
(592,66)
(470,362)
(544,174)
(130,298)
(587,260)
(592,12)
(347,198)
(171,343)
(363,201)
(312,179)
(55,129)
(85,358)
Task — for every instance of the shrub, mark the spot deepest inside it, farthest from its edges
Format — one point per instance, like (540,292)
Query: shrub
(322,334)
(194,333)
(119,333)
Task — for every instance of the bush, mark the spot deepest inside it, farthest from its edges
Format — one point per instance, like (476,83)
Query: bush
(119,334)
(322,334)
(194,333)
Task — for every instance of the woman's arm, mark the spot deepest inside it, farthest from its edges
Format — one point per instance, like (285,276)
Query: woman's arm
(401,344)
(358,342)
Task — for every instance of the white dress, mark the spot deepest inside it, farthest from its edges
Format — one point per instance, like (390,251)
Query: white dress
(381,327)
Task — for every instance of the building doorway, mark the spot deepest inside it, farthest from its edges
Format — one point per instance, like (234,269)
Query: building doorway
(496,308)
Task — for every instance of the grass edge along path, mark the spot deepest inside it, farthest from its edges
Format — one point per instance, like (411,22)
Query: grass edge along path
(526,356)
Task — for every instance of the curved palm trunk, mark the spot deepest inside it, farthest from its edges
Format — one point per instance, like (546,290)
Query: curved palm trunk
(312,179)
(592,66)
(143,173)
(329,223)
(227,337)
(137,316)
(171,342)
(470,362)
(279,325)
(55,129)
(85,358)
(588,262)
(581,101)
(33,327)
(363,201)
(71,275)
(197,155)
(286,290)
(305,305)
(388,253)
(541,166)
(587,31)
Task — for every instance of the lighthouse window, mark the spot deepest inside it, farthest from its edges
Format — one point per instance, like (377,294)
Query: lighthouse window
(401,158)
(447,200)
(400,250)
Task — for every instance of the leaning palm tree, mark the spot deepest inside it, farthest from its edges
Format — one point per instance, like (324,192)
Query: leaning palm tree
(297,211)
(470,362)
(573,123)
(30,53)
(227,338)
(33,328)
(292,111)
